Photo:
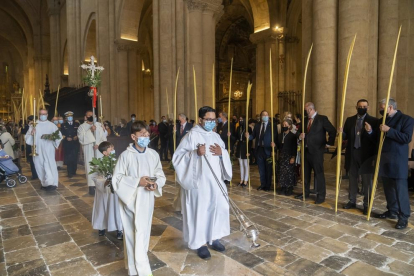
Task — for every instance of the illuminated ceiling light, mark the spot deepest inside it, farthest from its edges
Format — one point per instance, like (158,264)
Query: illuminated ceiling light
(276,28)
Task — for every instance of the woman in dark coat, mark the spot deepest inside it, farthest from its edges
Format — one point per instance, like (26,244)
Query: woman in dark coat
(287,155)
(241,151)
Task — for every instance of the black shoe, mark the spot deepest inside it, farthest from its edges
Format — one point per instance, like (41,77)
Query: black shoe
(70,176)
(240,184)
(349,205)
(319,200)
(365,211)
(167,160)
(92,190)
(203,253)
(218,246)
(243,185)
(301,196)
(34,178)
(386,215)
(260,188)
(266,189)
(401,224)
(101,232)
(226,182)
(289,191)
(120,235)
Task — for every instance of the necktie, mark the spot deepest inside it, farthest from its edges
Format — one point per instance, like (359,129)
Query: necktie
(358,129)
(310,123)
(181,130)
(261,136)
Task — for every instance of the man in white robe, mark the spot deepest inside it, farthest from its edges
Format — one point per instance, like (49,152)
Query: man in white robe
(44,162)
(90,135)
(136,196)
(205,209)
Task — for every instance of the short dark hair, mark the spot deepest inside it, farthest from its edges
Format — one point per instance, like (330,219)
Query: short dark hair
(88,111)
(363,101)
(138,126)
(133,115)
(202,111)
(262,113)
(104,146)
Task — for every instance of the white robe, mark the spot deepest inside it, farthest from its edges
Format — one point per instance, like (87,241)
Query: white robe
(105,214)
(205,209)
(87,140)
(8,143)
(45,163)
(137,204)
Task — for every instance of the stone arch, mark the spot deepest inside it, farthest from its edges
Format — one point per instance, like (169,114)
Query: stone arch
(90,38)
(129,19)
(260,10)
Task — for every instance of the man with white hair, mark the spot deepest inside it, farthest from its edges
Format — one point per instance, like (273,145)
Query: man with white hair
(393,169)
(182,128)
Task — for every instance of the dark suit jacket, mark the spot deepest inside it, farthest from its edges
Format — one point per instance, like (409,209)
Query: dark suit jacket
(267,136)
(394,157)
(163,129)
(368,145)
(222,130)
(315,139)
(187,128)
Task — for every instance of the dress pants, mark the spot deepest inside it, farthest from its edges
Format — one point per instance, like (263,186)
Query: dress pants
(396,193)
(30,159)
(71,149)
(315,162)
(265,169)
(164,149)
(356,163)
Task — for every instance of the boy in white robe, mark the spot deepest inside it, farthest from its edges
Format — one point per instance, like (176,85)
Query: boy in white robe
(131,182)
(44,162)
(205,209)
(90,135)
(105,214)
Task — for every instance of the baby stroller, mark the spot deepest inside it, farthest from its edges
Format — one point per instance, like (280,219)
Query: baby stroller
(8,168)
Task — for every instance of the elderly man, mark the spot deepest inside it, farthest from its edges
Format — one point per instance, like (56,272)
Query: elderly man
(182,128)
(7,140)
(315,143)
(393,170)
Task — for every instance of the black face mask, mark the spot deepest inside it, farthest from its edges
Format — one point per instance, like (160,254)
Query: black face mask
(285,129)
(241,122)
(90,119)
(381,112)
(361,111)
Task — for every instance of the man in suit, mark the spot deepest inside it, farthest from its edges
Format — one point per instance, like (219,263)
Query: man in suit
(360,152)
(29,157)
(223,130)
(163,130)
(182,128)
(129,124)
(393,169)
(70,142)
(315,144)
(262,132)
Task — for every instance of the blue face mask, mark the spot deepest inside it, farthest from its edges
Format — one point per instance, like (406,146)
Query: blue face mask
(112,151)
(70,119)
(209,126)
(60,121)
(55,122)
(220,120)
(265,118)
(143,141)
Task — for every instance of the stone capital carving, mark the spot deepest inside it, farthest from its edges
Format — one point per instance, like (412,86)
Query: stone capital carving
(128,45)
(214,6)
(269,34)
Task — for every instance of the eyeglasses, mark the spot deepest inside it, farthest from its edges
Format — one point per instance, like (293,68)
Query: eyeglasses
(209,120)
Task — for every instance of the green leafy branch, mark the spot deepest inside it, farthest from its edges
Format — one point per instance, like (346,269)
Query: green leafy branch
(94,81)
(52,137)
(103,166)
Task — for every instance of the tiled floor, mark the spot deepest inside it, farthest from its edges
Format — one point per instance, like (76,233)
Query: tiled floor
(49,233)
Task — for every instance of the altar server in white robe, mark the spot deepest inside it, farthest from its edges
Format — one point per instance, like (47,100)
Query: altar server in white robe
(204,207)
(136,196)
(90,135)
(44,162)
(105,213)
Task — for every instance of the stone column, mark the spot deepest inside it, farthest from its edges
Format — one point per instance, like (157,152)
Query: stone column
(74,42)
(307,18)
(55,49)
(266,40)
(388,31)
(358,17)
(324,57)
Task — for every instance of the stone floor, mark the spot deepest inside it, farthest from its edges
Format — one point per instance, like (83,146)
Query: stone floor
(49,233)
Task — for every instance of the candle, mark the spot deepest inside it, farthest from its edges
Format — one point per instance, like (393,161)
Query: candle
(34,113)
(100,104)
